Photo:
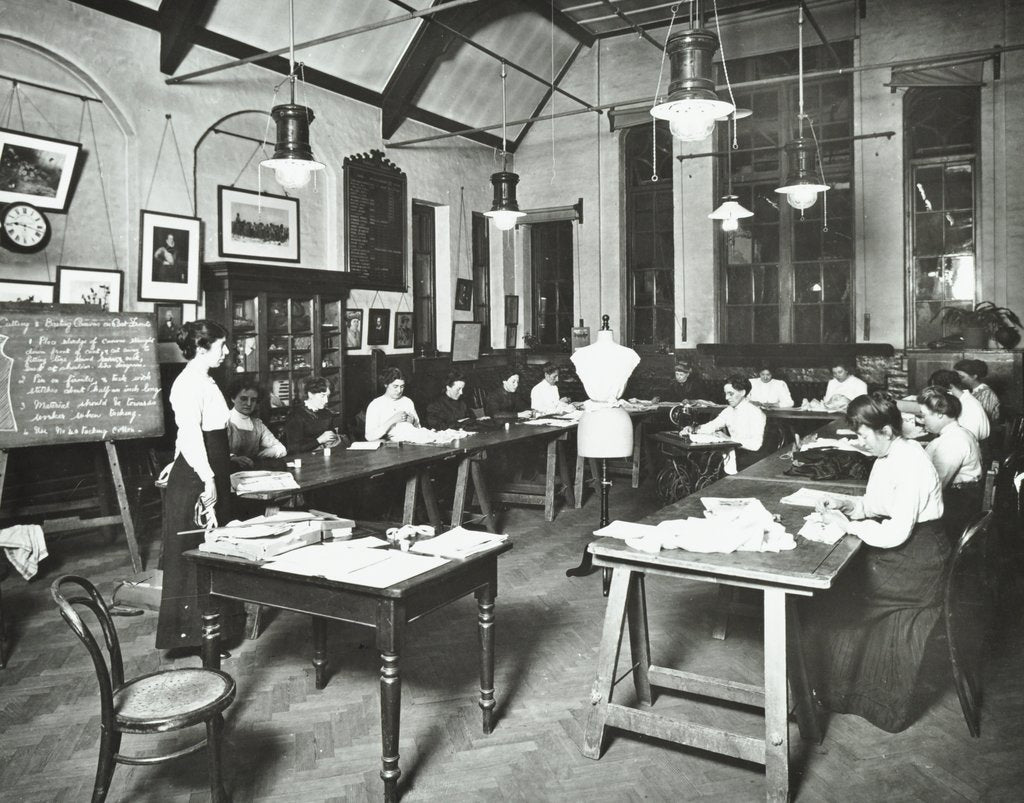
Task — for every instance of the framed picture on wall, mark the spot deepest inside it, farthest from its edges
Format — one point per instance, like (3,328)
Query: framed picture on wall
(168,322)
(26,292)
(466,340)
(378,332)
(511,310)
(403,330)
(251,225)
(169,257)
(511,335)
(353,329)
(92,286)
(463,294)
(37,170)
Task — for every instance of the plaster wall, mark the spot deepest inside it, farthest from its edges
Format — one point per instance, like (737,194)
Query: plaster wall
(58,43)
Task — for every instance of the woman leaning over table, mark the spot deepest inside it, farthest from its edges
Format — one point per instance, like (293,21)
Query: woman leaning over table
(867,635)
(201,473)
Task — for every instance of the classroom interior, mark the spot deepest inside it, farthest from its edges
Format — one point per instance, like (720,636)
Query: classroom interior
(424,120)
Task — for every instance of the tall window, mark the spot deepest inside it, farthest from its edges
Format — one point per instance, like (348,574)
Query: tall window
(787,277)
(551,254)
(423,286)
(481,257)
(941,139)
(649,251)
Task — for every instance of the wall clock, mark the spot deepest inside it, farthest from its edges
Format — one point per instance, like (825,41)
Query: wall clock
(23,228)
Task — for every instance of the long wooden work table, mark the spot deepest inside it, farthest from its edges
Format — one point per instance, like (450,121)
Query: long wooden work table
(780,577)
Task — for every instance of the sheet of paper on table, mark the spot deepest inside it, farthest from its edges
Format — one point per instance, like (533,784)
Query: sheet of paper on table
(397,567)
(810,497)
(364,446)
(458,543)
(353,563)
(262,481)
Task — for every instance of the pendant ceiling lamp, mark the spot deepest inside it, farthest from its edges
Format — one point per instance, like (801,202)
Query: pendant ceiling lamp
(803,182)
(692,107)
(293,163)
(504,208)
(730,212)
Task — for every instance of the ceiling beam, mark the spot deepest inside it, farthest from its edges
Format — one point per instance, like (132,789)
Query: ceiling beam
(546,8)
(179,22)
(547,96)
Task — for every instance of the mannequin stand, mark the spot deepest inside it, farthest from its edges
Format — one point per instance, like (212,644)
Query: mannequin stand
(586,566)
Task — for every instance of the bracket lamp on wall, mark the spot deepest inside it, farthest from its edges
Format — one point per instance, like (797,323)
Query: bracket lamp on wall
(692,107)
(504,208)
(293,163)
(803,182)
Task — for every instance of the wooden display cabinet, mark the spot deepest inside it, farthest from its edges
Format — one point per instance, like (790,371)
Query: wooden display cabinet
(285,324)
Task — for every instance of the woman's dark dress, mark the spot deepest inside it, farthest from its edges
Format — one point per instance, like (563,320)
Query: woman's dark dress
(180,619)
(868,633)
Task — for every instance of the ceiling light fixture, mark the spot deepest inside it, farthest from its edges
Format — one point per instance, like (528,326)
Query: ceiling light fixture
(504,208)
(293,163)
(803,182)
(730,212)
(692,107)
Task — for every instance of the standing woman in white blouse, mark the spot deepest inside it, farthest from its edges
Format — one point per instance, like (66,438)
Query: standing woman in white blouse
(868,633)
(201,473)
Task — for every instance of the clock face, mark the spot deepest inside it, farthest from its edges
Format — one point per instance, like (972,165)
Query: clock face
(24,228)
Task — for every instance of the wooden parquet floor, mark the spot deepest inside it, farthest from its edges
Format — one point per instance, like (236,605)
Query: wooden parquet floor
(288,742)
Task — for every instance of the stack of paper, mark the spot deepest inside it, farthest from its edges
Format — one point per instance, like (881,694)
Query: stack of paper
(458,543)
(243,482)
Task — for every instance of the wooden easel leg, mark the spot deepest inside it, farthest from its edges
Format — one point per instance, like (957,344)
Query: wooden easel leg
(563,473)
(411,490)
(461,486)
(639,638)
(549,481)
(122,503)
(483,494)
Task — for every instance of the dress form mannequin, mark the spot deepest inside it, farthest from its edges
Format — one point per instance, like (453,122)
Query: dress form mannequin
(605,429)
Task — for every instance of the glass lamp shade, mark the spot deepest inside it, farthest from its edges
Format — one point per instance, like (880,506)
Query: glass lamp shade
(292,174)
(692,119)
(504,208)
(293,163)
(730,212)
(802,184)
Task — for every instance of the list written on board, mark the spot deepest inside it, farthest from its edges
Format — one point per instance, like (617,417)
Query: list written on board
(79,377)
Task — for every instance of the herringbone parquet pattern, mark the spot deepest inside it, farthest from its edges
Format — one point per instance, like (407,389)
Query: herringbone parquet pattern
(288,742)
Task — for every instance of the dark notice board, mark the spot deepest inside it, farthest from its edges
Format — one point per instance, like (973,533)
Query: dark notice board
(73,374)
(375,222)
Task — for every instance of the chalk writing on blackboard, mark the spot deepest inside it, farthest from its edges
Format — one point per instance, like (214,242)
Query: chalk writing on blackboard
(375,221)
(68,375)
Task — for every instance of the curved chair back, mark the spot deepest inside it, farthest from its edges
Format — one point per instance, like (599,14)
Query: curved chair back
(110,675)
(968,606)
(776,435)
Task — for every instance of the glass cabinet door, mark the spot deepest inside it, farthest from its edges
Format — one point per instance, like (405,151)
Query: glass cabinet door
(331,354)
(245,355)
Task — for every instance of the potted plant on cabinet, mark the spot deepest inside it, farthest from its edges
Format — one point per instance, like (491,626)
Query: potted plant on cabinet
(985,321)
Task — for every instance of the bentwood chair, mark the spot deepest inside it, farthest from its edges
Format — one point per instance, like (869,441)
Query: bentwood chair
(968,607)
(159,702)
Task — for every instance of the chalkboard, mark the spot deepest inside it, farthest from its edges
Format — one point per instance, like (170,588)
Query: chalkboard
(74,374)
(375,222)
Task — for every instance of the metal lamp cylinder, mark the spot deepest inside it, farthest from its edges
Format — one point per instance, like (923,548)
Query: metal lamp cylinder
(690,53)
(504,192)
(292,124)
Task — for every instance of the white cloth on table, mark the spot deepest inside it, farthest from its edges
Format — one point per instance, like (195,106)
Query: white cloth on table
(774,391)
(955,455)
(199,407)
(973,417)
(851,388)
(903,490)
(381,409)
(25,547)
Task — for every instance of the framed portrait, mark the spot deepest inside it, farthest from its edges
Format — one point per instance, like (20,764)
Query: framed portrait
(12,290)
(466,340)
(378,332)
(92,286)
(37,170)
(353,329)
(511,335)
(511,310)
(169,257)
(463,294)
(169,318)
(403,330)
(251,225)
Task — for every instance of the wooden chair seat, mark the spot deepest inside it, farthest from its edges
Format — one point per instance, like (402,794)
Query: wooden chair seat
(171,699)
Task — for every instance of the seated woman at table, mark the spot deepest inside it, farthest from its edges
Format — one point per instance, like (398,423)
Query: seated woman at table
(685,384)
(544,396)
(972,373)
(310,425)
(504,401)
(767,391)
(867,635)
(391,409)
(741,421)
(972,415)
(843,387)
(249,439)
(956,456)
(449,410)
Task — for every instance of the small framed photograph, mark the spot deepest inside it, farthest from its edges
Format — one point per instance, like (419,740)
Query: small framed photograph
(379,331)
(92,286)
(37,170)
(169,257)
(257,226)
(168,322)
(353,329)
(26,292)
(511,335)
(463,294)
(403,330)
(511,310)
(466,340)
